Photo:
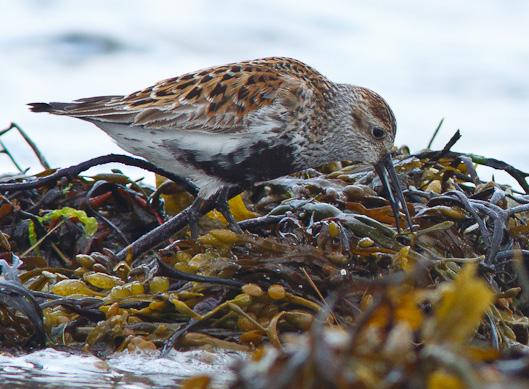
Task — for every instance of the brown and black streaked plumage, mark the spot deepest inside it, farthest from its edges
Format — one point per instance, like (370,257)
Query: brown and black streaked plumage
(240,123)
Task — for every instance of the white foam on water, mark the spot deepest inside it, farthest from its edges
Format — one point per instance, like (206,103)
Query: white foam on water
(53,368)
(180,364)
(141,369)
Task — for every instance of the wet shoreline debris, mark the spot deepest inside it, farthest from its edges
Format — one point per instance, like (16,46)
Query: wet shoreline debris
(321,290)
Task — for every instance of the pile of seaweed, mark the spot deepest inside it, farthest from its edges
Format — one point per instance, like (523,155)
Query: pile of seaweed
(322,289)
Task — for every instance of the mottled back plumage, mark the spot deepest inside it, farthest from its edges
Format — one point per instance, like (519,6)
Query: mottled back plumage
(217,99)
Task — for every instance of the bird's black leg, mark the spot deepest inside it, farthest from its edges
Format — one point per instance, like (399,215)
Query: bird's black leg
(194,214)
(221,204)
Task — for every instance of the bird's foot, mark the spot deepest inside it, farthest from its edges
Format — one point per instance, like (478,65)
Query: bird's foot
(221,204)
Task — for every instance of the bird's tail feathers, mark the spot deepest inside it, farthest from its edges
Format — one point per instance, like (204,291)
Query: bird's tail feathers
(100,108)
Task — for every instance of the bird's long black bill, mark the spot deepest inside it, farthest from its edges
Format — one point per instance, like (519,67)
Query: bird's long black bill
(390,182)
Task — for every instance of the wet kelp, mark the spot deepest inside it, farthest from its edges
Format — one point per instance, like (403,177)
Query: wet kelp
(321,289)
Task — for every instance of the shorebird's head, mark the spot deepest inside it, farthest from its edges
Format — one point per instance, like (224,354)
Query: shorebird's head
(372,128)
(371,125)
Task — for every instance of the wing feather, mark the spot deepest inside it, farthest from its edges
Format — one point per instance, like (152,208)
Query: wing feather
(219,99)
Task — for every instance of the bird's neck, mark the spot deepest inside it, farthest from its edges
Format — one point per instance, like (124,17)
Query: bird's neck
(331,128)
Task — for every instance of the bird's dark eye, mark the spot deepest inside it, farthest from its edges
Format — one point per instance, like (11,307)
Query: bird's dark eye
(378,132)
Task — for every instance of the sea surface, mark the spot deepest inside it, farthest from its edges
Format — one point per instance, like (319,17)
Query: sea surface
(50,368)
(466,62)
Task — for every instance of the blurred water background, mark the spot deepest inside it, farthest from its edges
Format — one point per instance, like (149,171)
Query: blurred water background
(465,61)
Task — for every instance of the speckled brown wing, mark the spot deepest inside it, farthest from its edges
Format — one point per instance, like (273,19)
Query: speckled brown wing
(218,99)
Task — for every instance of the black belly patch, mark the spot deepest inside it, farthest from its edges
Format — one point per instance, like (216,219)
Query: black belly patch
(263,161)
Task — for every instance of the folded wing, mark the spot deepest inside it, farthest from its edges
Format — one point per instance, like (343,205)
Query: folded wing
(222,99)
